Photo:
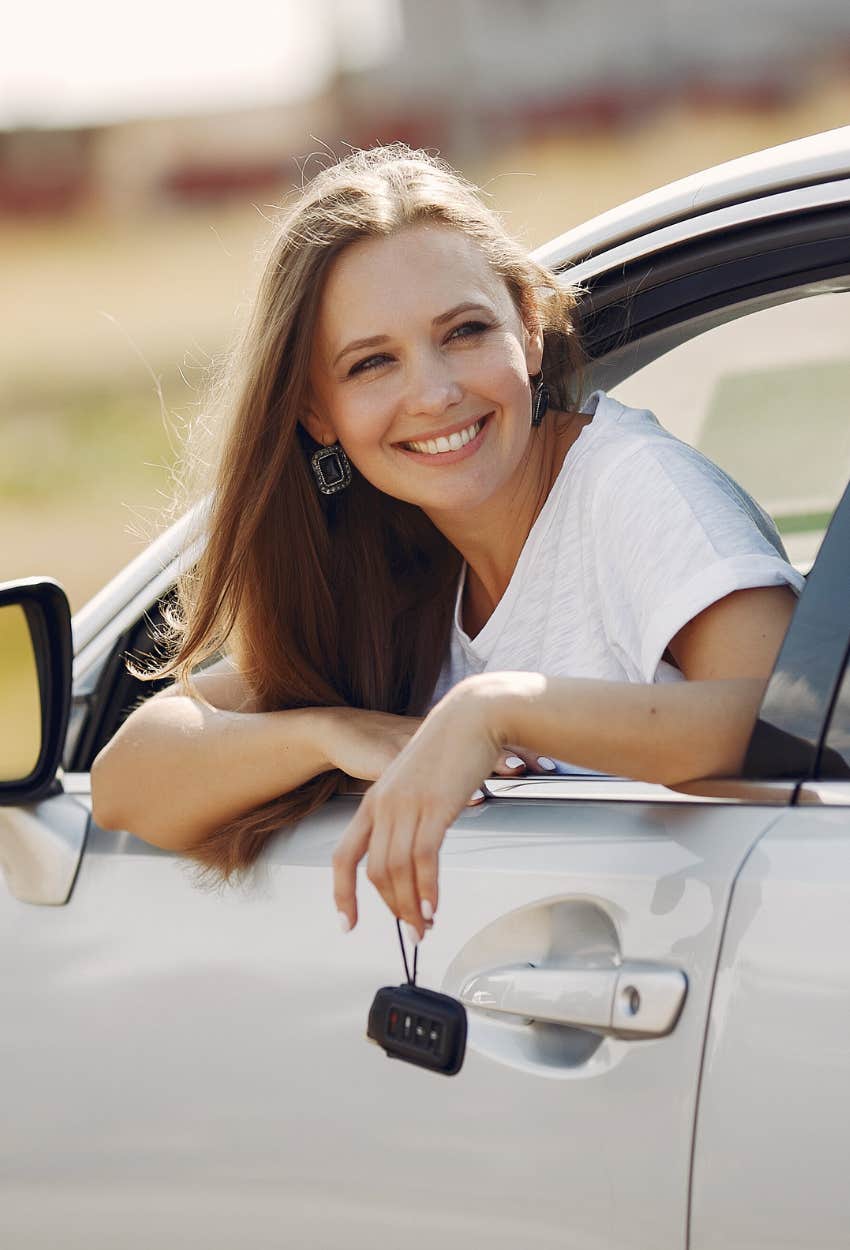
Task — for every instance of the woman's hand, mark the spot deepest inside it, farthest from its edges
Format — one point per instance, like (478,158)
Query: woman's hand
(403,818)
(518,761)
(363,744)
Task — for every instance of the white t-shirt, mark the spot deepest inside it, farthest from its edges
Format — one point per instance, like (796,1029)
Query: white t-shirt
(639,534)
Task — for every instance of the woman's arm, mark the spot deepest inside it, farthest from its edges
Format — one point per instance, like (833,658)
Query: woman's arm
(663,733)
(177,769)
(668,733)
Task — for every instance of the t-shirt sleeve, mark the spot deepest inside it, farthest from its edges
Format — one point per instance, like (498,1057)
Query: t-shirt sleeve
(672,534)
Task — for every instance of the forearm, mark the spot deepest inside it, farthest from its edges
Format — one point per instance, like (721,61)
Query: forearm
(177,769)
(667,733)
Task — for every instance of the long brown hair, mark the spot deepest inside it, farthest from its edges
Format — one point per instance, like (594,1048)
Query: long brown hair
(347,599)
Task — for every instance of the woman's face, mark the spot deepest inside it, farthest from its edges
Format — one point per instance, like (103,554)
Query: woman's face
(420,368)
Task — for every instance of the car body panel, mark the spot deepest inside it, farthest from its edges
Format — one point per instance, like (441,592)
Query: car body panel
(770,1161)
(169,1041)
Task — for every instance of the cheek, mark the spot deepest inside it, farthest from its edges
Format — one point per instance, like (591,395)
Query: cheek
(361,423)
(504,364)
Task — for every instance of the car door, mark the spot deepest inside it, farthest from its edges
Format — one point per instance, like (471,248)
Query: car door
(772,1135)
(189,1066)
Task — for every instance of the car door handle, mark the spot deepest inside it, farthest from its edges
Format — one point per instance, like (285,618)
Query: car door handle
(628,999)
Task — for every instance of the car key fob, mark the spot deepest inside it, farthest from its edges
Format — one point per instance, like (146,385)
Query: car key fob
(420,1026)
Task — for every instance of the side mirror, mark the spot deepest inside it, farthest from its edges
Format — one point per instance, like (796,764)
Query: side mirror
(42,830)
(35,686)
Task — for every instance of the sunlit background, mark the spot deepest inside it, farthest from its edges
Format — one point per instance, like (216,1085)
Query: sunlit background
(141,151)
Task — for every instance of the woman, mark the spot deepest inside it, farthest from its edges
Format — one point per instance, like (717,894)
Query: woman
(422,555)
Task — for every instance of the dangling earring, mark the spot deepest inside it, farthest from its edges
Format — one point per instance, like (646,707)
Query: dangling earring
(540,402)
(332,469)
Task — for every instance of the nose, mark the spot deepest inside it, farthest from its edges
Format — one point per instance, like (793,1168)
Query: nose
(431,386)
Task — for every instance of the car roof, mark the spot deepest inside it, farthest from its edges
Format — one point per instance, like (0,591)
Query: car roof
(802,162)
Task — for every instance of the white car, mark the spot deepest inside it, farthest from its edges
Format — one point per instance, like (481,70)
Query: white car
(657,981)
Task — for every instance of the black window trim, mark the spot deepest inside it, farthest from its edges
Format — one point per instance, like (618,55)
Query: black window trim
(732,266)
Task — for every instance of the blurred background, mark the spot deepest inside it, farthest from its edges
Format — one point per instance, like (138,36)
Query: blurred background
(141,155)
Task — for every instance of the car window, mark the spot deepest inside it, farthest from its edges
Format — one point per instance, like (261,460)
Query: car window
(767,397)
(835,757)
(764,395)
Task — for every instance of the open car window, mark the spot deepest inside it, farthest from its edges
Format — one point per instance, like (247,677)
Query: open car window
(765,396)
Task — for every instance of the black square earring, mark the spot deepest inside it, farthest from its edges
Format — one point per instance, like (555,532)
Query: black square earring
(332,469)
(540,401)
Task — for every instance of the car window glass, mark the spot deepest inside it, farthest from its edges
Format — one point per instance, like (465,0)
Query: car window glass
(767,397)
(835,757)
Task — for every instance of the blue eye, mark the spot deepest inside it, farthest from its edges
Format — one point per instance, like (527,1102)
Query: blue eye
(371,362)
(475,327)
(363,365)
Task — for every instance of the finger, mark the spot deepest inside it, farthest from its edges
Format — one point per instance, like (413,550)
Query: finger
(348,854)
(538,765)
(377,869)
(477,797)
(399,865)
(542,766)
(426,862)
(510,766)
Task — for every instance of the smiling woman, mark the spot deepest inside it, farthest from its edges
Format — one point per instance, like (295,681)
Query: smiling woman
(425,550)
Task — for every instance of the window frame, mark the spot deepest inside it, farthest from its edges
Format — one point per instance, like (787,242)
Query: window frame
(634,313)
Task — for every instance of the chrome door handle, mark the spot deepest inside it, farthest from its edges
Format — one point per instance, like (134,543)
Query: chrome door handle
(629,999)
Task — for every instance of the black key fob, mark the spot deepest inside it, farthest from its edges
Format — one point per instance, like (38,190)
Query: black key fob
(421,1026)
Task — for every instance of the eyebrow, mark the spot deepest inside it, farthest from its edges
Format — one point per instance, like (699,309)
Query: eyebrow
(377,339)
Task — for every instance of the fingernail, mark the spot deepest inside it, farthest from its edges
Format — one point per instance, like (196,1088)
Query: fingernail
(545,762)
(412,935)
(344,922)
(513,761)
(476,794)
(427,910)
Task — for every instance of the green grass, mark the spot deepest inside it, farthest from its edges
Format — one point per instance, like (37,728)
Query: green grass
(85,444)
(784,434)
(803,522)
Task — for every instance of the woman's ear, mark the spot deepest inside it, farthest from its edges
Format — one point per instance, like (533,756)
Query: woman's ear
(318,428)
(534,350)
(533,333)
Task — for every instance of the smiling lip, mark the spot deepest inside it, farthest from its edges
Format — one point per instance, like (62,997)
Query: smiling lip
(449,457)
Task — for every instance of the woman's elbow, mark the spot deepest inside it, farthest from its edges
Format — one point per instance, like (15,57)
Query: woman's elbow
(106,808)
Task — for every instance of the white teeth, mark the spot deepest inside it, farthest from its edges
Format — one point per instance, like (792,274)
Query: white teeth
(437,446)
